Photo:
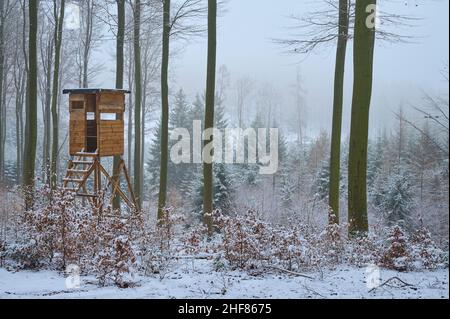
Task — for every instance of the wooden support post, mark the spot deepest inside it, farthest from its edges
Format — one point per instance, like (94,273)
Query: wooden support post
(130,188)
(96,197)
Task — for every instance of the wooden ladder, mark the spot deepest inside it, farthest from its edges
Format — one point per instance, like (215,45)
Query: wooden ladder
(84,165)
(78,172)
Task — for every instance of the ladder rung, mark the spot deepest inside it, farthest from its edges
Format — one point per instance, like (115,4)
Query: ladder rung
(86,154)
(82,162)
(77,170)
(75,180)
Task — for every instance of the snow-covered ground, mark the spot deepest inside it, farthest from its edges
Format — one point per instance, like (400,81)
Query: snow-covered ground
(196,280)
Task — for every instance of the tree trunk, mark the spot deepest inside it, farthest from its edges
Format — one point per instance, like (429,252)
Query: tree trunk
(164,110)
(31,114)
(3,120)
(59,23)
(47,115)
(209,112)
(335,158)
(142,159)
(87,42)
(362,90)
(130,132)
(137,102)
(119,75)
(2,71)
(20,88)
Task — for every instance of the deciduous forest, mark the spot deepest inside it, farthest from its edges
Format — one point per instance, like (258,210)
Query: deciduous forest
(256,150)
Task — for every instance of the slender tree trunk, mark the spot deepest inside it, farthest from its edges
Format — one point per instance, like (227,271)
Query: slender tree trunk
(119,75)
(137,101)
(335,158)
(31,114)
(47,114)
(130,114)
(143,116)
(3,120)
(25,27)
(142,159)
(209,112)
(2,71)
(46,50)
(20,88)
(88,41)
(164,110)
(59,23)
(130,132)
(362,91)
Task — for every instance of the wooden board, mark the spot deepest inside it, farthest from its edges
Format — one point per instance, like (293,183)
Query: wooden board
(111,138)
(111,102)
(77,131)
(76,97)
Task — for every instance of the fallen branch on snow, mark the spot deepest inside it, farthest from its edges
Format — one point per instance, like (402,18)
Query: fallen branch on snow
(289,272)
(386,283)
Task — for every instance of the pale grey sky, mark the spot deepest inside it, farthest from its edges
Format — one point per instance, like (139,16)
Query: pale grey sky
(402,71)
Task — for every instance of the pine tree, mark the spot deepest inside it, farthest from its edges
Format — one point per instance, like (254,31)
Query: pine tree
(222,190)
(289,171)
(375,160)
(198,109)
(249,172)
(395,200)
(154,159)
(222,179)
(179,115)
(179,118)
(322,182)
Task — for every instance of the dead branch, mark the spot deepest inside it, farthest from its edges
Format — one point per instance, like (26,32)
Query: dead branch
(386,283)
(289,272)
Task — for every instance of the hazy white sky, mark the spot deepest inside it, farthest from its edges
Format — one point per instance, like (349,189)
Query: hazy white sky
(244,46)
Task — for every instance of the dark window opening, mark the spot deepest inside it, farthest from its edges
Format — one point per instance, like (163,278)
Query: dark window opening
(77,105)
(91,132)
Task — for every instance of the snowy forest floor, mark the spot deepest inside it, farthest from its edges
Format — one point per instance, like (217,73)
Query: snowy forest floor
(196,279)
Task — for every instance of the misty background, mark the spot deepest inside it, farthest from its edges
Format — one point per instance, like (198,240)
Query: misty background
(403,71)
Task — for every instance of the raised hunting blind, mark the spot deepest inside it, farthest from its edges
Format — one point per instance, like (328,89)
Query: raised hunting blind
(96,130)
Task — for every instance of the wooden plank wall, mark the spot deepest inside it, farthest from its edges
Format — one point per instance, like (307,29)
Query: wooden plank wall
(77,131)
(111,103)
(111,137)
(110,133)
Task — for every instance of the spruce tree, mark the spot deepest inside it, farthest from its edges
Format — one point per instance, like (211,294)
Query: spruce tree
(179,118)
(396,200)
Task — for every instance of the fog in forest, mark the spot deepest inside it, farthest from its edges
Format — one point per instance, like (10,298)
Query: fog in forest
(403,71)
(324,151)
